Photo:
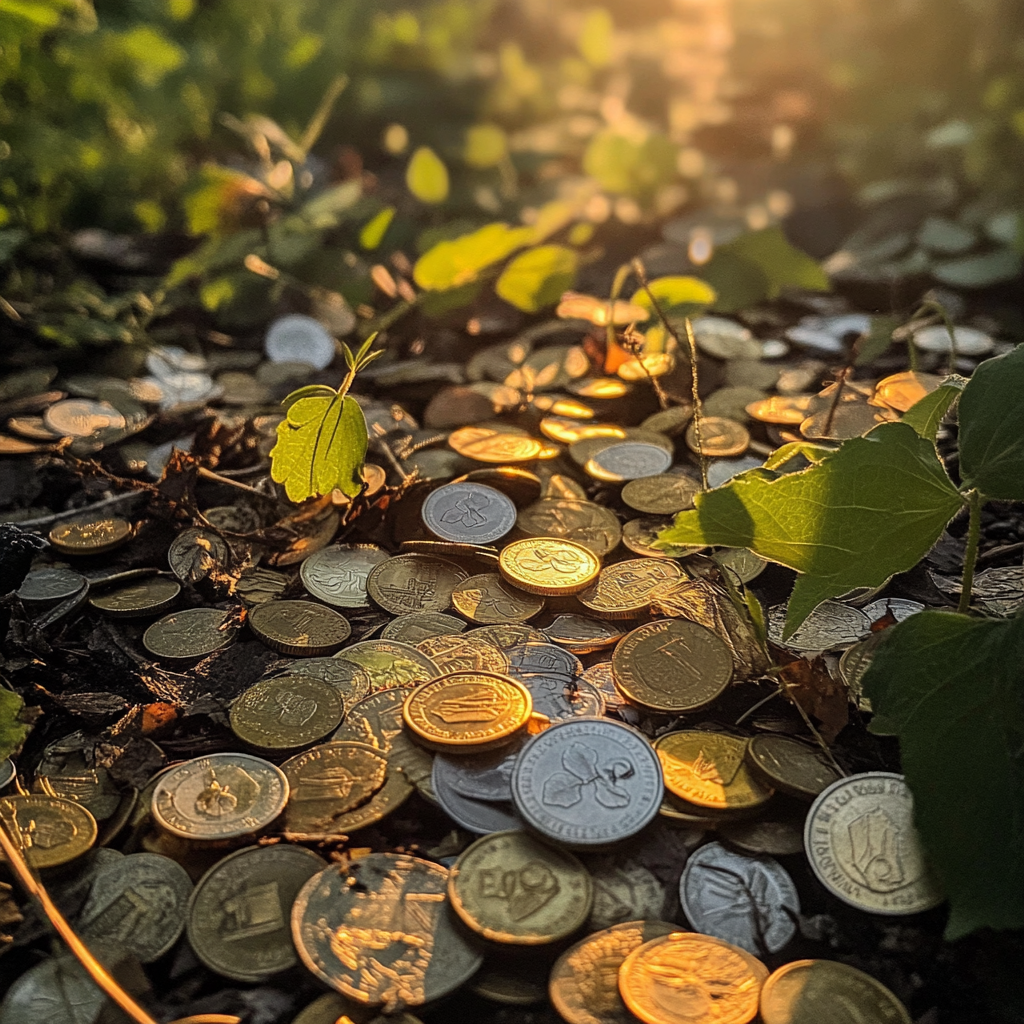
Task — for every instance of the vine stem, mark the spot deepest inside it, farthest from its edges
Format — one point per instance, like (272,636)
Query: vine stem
(971,554)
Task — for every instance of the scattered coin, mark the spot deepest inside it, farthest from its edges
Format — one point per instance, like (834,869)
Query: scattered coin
(66,774)
(902,391)
(299,339)
(831,626)
(707,769)
(80,417)
(671,422)
(486,777)
(487,445)
(968,340)
(899,608)
(661,495)
(720,438)
(49,830)
(628,460)
(255,586)
(464,652)
(781,835)
(233,518)
(138,599)
(602,678)
(725,339)
(300,628)
(194,554)
(7,772)
(414,583)
(337,574)
(413,627)
(583,522)
(286,712)
(45,585)
(189,634)
(90,538)
(790,766)
(389,663)
(348,679)
(623,888)
(487,599)
(640,536)
(789,410)
(468,513)
(743,565)
(580,634)
(624,590)
(548,566)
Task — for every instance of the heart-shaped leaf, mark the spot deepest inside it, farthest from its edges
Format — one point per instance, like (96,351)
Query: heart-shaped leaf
(562,790)
(926,414)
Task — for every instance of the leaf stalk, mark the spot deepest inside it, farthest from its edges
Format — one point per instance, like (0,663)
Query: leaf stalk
(974,502)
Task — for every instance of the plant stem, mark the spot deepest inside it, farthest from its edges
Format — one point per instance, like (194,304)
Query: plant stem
(840,384)
(698,408)
(971,554)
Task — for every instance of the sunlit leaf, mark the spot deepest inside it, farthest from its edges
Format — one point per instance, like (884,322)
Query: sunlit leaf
(537,277)
(13,731)
(872,509)
(600,312)
(374,229)
(486,146)
(677,296)
(597,38)
(926,415)
(454,263)
(625,164)
(427,177)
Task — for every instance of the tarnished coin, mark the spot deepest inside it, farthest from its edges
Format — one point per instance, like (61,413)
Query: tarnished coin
(220,796)
(139,904)
(473,814)
(580,634)
(413,627)
(486,776)
(487,445)
(464,652)
(337,574)
(672,666)
(624,590)
(862,844)
(468,513)
(194,554)
(383,909)
(827,992)
(661,495)
(44,585)
(584,981)
(671,422)
(742,565)
(623,888)
(641,535)
(780,835)
(137,599)
(347,679)
(628,460)
(286,712)
(553,676)
(48,830)
(299,339)
(602,678)
(545,565)
(487,599)
(484,555)
(238,920)
(389,663)
(750,902)
(414,583)
(82,417)
(512,888)
(92,538)
(300,628)
(790,766)
(67,774)
(708,769)
(233,518)
(375,720)
(468,711)
(584,522)
(587,782)
(188,634)
(831,626)
(257,586)
(720,438)
(687,978)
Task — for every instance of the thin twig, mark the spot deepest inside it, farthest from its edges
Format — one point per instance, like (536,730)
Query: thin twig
(840,384)
(698,408)
(208,474)
(761,703)
(388,453)
(73,513)
(810,725)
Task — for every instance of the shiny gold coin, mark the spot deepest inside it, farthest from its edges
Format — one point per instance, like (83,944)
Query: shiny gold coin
(300,628)
(508,635)
(93,538)
(464,652)
(512,888)
(624,590)
(688,978)
(720,438)
(139,598)
(413,627)
(599,387)
(286,712)
(851,419)
(640,536)
(708,769)
(781,409)
(790,766)
(487,600)
(330,1008)
(901,391)
(549,566)
(827,992)
(584,522)
(558,485)
(188,634)
(468,712)
(583,635)
(672,666)
(389,663)
(487,445)
(483,555)
(414,583)
(661,495)
(569,431)
(48,830)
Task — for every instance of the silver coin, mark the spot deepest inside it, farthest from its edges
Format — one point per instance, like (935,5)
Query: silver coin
(721,471)
(299,339)
(553,676)
(899,607)
(179,390)
(233,518)
(413,627)
(725,339)
(8,770)
(624,890)
(530,659)
(582,633)
(50,585)
(748,901)
(831,626)
(468,513)
(1000,590)
(337,574)
(629,460)
(165,361)
(602,678)
(139,904)
(587,782)
(479,816)
(968,340)
(486,777)
(348,678)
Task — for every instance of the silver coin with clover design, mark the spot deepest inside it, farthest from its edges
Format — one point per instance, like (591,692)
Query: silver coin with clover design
(469,513)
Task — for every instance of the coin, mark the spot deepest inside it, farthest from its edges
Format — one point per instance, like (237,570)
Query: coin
(464,652)
(587,782)
(468,711)
(708,769)
(512,888)
(640,536)
(220,796)
(337,574)
(43,585)
(487,599)
(817,991)
(348,680)
(520,485)
(483,554)
(584,981)
(584,522)
(376,720)
(672,666)
(486,776)
(194,554)
(511,984)
(623,590)
(413,627)
(384,910)
(414,583)
(661,495)
(330,1008)
(720,438)
(790,766)
(553,677)
(623,888)
(90,538)
(830,626)
(487,445)
(506,635)
(470,813)
(602,678)
(750,902)
(899,608)
(299,339)
(743,565)
(81,417)
(256,586)
(628,460)
(548,566)
(285,712)
(789,410)
(781,835)
(138,904)
(48,830)
(581,634)
(7,772)
(862,844)
(969,341)
(67,775)
(138,599)
(686,978)
(238,920)
(671,422)
(468,513)
(389,663)
(188,634)
(567,430)
(233,518)
(902,391)
(299,628)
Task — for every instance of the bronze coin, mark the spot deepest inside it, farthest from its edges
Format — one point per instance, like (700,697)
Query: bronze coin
(300,628)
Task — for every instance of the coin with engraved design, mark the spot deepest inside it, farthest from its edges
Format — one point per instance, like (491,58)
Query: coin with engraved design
(188,634)
(90,538)
(337,574)
(585,522)
(414,583)
(47,829)
(468,812)
(468,513)
(301,628)
(624,590)
(138,598)
(285,712)
(708,769)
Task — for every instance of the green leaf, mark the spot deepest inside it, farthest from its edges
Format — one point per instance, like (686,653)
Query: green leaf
(992,428)
(813,453)
(953,689)
(739,283)
(677,296)
(13,731)
(597,38)
(374,229)
(926,414)
(486,146)
(427,177)
(321,445)
(537,277)
(872,509)
(877,340)
(452,264)
(621,163)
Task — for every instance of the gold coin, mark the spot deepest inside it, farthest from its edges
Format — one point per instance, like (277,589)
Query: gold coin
(468,712)
(330,1008)
(708,769)
(464,652)
(623,590)
(286,712)
(520,485)
(688,978)
(389,663)
(487,445)
(851,419)
(549,566)
(672,666)
(507,635)
(558,485)
(640,535)
(139,598)
(790,766)
(414,583)
(413,627)
(583,522)
(512,888)
(190,633)
(661,495)
(488,600)
(48,830)
(599,387)
(483,554)
(781,409)
(823,992)
(720,438)
(568,431)
(901,391)
(300,628)
(93,538)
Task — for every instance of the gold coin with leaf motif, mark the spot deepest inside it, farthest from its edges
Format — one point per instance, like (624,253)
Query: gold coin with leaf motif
(624,590)
(708,769)
(720,438)
(93,538)
(549,566)
(583,522)
(488,600)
